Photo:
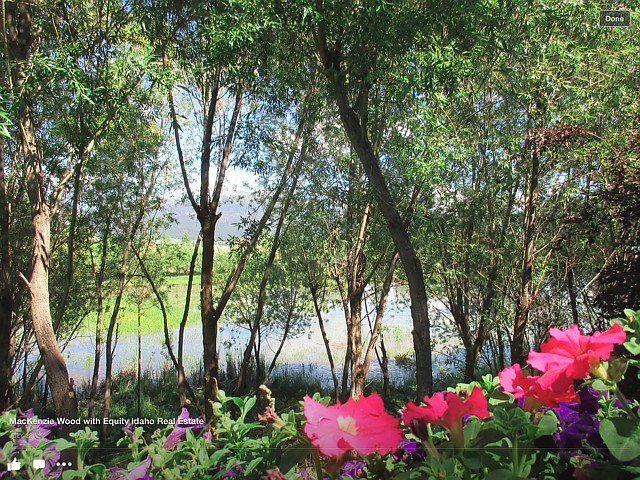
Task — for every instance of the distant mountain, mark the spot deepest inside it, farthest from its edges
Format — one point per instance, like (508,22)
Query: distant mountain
(186,220)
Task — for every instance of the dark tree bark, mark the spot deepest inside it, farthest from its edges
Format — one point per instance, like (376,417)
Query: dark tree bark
(525,297)
(360,142)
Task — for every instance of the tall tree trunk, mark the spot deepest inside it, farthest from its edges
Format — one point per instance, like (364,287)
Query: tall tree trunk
(57,375)
(325,340)
(68,279)
(18,18)
(234,276)
(109,349)
(95,378)
(525,297)
(165,322)
(361,374)
(359,139)
(208,218)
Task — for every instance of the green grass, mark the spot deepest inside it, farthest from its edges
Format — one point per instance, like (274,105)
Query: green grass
(174,293)
(184,280)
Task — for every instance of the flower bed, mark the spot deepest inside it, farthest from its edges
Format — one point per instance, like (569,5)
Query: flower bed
(569,421)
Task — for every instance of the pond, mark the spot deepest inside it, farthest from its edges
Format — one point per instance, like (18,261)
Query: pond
(305,353)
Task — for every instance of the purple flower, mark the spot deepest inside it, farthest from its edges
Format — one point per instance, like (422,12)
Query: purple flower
(233,472)
(577,422)
(130,430)
(138,473)
(409,450)
(352,469)
(179,433)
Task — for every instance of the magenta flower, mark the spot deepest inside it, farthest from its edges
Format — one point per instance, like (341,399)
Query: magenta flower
(448,410)
(361,425)
(576,354)
(548,389)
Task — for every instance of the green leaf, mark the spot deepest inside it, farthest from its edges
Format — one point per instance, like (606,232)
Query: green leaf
(622,437)
(633,345)
(601,385)
(548,424)
(252,464)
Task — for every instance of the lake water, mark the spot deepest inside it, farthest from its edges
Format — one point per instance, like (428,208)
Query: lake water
(305,353)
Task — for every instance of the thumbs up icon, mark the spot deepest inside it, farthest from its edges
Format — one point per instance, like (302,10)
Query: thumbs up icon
(14,466)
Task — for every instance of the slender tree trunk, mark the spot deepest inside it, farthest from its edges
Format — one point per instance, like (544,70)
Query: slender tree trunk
(182,378)
(109,349)
(208,217)
(100,298)
(571,288)
(354,330)
(361,375)
(234,276)
(285,334)
(62,305)
(413,268)
(165,322)
(525,297)
(327,346)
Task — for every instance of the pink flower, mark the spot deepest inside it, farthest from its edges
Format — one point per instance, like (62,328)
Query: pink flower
(548,389)
(574,353)
(273,474)
(361,425)
(448,409)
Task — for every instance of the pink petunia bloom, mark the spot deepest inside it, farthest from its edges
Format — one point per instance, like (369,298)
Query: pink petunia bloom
(548,389)
(448,410)
(573,353)
(361,425)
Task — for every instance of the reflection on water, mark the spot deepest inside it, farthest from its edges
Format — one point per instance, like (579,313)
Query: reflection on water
(305,354)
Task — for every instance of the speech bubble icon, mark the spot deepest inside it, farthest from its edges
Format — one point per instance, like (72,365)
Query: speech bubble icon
(38,464)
